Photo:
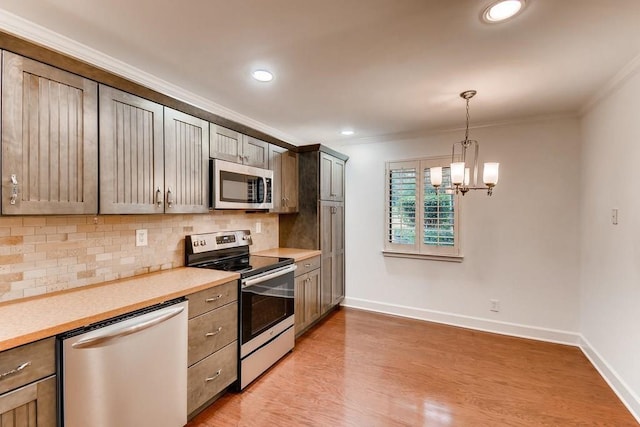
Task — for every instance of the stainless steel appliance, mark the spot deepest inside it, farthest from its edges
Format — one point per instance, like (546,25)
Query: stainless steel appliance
(128,371)
(236,186)
(266,301)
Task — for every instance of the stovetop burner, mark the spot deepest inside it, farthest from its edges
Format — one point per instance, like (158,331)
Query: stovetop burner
(228,251)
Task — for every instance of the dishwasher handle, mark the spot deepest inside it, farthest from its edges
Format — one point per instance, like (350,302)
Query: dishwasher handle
(162,316)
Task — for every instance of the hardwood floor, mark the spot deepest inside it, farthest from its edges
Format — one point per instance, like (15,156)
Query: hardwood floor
(365,369)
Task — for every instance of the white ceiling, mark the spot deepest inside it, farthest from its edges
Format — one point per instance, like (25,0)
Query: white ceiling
(382,67)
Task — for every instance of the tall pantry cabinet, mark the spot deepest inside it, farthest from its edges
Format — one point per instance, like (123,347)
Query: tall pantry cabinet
(320,221)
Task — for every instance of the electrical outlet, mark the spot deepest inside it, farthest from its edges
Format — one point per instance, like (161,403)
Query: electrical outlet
(141,237)
(258,227)
(495,305)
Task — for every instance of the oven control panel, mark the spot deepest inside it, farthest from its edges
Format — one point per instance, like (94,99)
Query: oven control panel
(200,243)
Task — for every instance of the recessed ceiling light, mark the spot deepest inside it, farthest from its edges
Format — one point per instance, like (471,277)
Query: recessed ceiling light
(262,75)
(502,10)
(347,132)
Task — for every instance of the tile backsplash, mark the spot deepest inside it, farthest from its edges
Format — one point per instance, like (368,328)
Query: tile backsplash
(45,254)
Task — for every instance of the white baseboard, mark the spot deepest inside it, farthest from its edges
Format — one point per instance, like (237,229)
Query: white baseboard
(617,384)
(477,323)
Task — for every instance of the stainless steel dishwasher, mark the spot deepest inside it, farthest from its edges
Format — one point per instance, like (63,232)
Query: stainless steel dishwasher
(130,371)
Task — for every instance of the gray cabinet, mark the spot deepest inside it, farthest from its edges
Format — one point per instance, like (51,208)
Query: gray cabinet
(331,178)
(319,223)
(227,144)
(213,344)
(152,159)
(28,387)
(131,154)
(186,163)
(332,246)
(284,164)
(307,294)
(49,140)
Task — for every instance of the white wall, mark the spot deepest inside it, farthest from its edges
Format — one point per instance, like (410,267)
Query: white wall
(521,245)
(610,264)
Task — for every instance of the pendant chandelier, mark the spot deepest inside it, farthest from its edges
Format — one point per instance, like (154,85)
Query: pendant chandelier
(463,163)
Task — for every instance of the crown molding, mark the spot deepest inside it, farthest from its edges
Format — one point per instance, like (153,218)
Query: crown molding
(402,136)
(612,85)
(32,32)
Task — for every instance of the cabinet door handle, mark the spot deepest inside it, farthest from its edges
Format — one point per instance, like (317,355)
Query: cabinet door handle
(15,370)
(212,299)
(216,332)
(159,197)
(216,375)
(169,198)
(14,189)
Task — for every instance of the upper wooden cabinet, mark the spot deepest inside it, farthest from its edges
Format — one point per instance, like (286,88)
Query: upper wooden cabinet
(331,178)
(284,164)
(186,164)
(152,159)
(131,154)
(227,144)
(49,140)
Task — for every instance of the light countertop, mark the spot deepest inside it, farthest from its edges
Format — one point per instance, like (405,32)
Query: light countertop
(296,254)
(31,319)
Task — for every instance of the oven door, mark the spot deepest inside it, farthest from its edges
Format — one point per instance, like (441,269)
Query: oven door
(238,186)
(266,301)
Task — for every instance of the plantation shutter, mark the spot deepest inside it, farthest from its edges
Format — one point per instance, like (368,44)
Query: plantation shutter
(402,186)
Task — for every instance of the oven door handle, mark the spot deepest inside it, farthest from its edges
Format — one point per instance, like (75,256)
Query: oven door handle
(269,276)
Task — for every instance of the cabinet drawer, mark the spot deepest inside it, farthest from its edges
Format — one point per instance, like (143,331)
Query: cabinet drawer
(211,331)
(25,364)
(31,405)
(210,376)
(211,298)
(307,265)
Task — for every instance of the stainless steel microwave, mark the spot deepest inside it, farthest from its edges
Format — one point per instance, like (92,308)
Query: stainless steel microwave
(236,186)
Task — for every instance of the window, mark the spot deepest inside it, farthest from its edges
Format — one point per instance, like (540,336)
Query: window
(420,223)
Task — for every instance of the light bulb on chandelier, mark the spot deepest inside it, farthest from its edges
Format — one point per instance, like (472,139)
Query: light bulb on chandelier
(460,169)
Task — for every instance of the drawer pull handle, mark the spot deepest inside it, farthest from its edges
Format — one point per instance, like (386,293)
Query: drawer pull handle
(212,299)
(206,380)
(307,265)
(15,371)
(216,332)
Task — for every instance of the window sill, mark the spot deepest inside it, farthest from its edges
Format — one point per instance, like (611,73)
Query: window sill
(446,258)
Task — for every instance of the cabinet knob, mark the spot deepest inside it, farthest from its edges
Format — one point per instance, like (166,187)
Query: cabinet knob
(216,375)
(169,198)
(216,332)
(14,189)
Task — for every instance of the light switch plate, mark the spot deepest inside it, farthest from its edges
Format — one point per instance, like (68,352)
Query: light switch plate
(614,216)
(141,237)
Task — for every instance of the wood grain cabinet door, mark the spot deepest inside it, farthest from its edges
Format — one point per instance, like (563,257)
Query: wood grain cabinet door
(299,309)
(186,163)
(49,140)
(255,152)
(225,144)
(131,154)
(284,165)
(312,297)
(33,405)
(331,178)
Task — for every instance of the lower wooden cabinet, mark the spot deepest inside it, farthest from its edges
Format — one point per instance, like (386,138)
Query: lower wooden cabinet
(213,345)
(28,385)
(307,294)
(33,405)
(207,378)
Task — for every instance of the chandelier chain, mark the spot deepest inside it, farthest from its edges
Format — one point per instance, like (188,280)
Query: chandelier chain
(466,132)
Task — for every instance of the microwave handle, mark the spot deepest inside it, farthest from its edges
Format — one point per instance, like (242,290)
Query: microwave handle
(264,189)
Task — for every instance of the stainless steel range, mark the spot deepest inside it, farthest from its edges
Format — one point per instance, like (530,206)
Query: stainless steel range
(265,293)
